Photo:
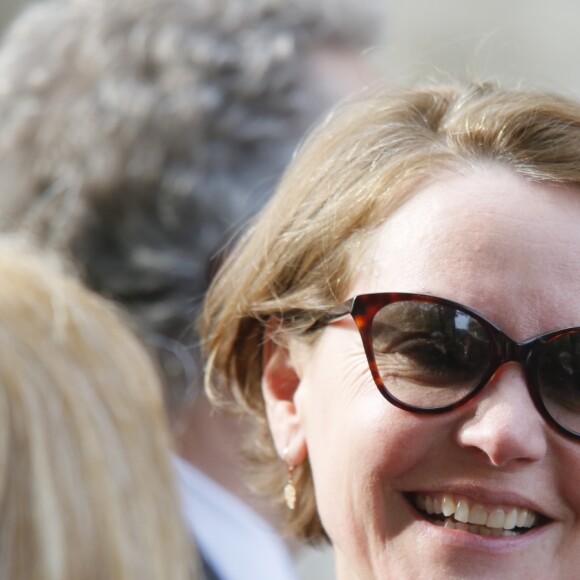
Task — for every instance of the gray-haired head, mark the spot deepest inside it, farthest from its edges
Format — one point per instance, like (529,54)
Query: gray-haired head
(138,134)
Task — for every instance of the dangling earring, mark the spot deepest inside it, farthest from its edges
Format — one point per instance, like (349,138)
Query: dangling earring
(289,488)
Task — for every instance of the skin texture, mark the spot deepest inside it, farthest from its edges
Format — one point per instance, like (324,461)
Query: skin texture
(509,249)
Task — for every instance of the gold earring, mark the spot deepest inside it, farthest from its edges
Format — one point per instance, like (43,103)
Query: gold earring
(289,488)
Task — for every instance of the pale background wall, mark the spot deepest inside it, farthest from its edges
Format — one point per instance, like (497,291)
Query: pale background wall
(8,8)
(533,42)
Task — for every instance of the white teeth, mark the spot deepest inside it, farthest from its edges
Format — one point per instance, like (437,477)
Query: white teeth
(477,515)
(472,517)
(531,520)
(496,519)
(522,518)
(448,506)
(437,505)
(462,511)
(510,519)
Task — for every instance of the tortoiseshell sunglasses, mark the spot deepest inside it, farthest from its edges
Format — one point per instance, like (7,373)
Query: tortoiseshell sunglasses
(431,355)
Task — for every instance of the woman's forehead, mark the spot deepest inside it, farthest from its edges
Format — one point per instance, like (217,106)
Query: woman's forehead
(476,236)
(481,204)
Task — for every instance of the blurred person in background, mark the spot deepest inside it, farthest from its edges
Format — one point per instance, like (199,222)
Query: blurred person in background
(136,136)
(82,430)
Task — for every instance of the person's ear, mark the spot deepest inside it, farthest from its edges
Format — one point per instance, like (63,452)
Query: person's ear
(280,382)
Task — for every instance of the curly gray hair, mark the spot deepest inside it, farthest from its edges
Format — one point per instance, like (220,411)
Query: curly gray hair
(137,133)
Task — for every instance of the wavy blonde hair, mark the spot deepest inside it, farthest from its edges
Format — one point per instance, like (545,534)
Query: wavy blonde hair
(86,483)
(365,160)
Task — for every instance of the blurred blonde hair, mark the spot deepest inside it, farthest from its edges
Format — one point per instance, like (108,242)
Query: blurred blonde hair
(86,487)
(364,161)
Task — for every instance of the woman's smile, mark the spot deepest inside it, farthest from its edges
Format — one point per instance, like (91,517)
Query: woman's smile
(461,513)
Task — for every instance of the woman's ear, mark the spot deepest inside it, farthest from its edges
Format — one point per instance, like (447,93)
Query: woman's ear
(280,382)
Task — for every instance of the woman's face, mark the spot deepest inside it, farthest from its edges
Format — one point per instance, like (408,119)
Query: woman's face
(510,250)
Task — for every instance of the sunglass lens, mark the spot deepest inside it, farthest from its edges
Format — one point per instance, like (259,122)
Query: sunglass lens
(559,379)
(429,355)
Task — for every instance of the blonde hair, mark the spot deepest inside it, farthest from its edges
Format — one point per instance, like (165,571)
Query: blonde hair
(86,487)
(369,156)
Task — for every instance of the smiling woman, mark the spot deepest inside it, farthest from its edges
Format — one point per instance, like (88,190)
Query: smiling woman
(403,322)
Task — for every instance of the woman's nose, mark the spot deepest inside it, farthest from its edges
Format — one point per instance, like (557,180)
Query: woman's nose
(502,421)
